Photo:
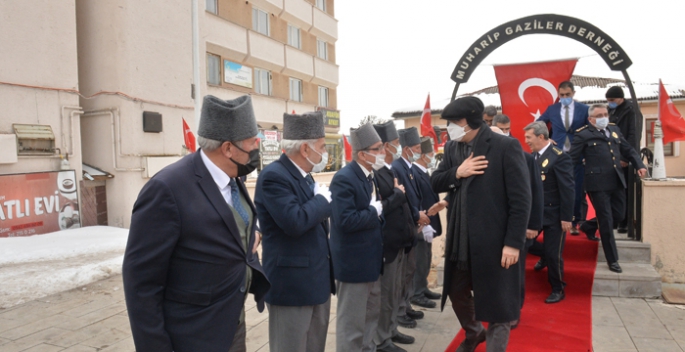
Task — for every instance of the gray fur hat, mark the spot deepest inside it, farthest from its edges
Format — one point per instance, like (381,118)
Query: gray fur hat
(363,137)
(227,120)
(386,131)
(427,145)
(306,126)
(409,137)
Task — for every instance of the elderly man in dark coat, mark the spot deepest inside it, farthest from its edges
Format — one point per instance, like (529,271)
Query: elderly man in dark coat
(489,196)
(293,213)
(191,254)
(357,242)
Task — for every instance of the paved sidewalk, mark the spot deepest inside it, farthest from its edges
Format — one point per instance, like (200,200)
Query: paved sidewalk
(93,318)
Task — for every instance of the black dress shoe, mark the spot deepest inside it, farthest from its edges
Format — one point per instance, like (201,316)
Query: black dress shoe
(470,346)
(422,301)
(592,237)
(406,322)
(622,230)
(403,339)
(555,297)
(390,347)
(541,264)
(615,267)
(414,314)
(515,324)
(432,295)
(574,231)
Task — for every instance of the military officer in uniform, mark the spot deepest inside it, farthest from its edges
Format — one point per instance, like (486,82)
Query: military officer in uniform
(602,145)
(556,172)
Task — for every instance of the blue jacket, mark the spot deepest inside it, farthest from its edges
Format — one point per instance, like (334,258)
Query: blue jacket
(559,132)
(294,224)
(356,237)
(407,178)
(428,197)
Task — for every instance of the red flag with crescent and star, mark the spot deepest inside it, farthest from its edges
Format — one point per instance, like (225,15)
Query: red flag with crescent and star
(348,149)
(427,123)
(526,90)
(672,122)
(188,137)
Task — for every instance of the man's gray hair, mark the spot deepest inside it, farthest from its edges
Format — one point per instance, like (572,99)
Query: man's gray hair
(592,108)
(539,128)
(292,146)
(207,144)
(490,110)
(500,118)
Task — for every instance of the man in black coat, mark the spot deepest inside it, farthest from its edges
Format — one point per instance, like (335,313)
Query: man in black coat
(191,254)
(622,114)
(398,233)
(556,173)
(293,213)
(603,146)
(489,200)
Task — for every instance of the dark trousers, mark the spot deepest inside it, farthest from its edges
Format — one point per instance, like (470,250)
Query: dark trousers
(551,250)
(579,211)
(609,207)
(624,223)
(407,289)
(497,335)
(239,342)
(424,256)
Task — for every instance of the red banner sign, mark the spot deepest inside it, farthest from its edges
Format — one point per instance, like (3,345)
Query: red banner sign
(38,203)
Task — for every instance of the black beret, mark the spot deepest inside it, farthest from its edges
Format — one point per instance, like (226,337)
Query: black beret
(615,92)
(462,108)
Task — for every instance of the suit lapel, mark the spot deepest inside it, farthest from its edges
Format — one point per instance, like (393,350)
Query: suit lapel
(360,174)
(212,192)
(295,173)
(482,144)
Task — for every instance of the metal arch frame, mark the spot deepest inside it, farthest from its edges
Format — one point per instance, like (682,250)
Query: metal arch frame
(583,32)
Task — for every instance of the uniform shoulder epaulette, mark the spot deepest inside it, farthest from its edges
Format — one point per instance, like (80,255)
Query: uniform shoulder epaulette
(557,150)
(582,128)
(612,124)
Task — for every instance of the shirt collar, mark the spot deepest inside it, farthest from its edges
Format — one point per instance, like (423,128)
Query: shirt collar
(421,167)
(542,151)
(389,166)
(219,176)
(407,162)
(304,174)
(366,172)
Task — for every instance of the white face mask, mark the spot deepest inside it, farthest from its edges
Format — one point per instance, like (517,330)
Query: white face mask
(398,152)
(379,163)
(431,163)
(602,122)
(322,164)
(456,132)
(414,156)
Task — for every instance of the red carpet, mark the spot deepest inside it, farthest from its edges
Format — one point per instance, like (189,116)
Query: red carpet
(564,326)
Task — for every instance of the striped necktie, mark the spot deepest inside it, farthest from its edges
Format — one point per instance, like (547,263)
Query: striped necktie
(237,205)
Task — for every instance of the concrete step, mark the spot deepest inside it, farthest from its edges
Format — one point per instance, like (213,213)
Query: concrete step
(638,280)
(629,252)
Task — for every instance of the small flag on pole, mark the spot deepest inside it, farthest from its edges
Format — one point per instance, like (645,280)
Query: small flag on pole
(672,122)
(348,149)
(427,123)
(188,137)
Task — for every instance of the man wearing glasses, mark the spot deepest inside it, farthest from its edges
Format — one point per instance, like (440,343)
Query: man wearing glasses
(603,146)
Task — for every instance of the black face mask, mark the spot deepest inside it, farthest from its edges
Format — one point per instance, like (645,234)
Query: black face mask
(246,169)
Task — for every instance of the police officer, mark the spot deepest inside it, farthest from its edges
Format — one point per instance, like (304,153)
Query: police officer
(602,145)
(556,172)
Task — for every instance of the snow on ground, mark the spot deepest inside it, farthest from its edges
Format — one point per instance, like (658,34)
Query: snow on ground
(41,265)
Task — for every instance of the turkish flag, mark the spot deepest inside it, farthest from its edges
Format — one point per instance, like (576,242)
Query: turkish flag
(526,90)
(427,123)
(188,137)
(672,122)
(348,149)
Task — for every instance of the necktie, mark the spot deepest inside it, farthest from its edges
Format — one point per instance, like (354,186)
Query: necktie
(310,181)
(537,155)
(567,125)
(237,205)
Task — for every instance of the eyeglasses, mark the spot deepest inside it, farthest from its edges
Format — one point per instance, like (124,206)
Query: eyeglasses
(600,116)
(374,149)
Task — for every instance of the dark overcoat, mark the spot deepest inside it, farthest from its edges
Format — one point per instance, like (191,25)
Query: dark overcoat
(294,224)
(356,237)
(399,229)
(184,266)
(405,177)
(498,210)
(624,117)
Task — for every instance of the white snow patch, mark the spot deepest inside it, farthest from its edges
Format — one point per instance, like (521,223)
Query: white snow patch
(42,265)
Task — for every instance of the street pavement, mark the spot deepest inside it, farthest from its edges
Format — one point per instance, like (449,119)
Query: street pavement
(94,318)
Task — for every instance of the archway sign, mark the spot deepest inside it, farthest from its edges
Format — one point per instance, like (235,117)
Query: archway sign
(573,28)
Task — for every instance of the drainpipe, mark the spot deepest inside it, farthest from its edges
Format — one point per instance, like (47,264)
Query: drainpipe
(116,142)
(76,110)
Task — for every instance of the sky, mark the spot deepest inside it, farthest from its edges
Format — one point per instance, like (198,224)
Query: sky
(393,53)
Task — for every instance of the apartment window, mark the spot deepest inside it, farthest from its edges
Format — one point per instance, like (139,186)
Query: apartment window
(323,96)
(262,80)
(211,6)
(322,49)
(295,89)
(294,37)
(260,21)
(321,5)
(668,147)
(213,69)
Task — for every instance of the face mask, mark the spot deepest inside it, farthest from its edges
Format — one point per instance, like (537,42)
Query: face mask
(414,156)
(379,163)
(508,134)
(398,152)
(612,105)
(456,132)
(431,163)
(322,164)
(566,101)
(252,164)
(602,122)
